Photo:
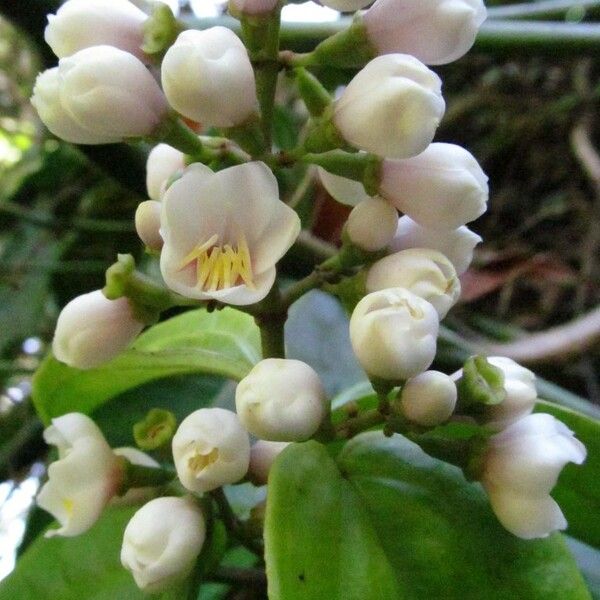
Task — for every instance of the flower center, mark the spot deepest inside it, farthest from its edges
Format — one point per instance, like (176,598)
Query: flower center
(198,462)
(221,267)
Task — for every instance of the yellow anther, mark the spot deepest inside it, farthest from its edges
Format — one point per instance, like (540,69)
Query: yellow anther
(198,462)
(68,505)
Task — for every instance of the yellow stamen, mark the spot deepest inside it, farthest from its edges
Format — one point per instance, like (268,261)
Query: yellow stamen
(68,505)
(199,462)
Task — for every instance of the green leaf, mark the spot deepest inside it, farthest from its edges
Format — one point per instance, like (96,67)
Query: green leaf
(390,523)
(222,343)
(85,567)
(578,489)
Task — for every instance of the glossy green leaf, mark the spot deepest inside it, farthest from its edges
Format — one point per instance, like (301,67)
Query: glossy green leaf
(389,522)
(578,488)
(222,343)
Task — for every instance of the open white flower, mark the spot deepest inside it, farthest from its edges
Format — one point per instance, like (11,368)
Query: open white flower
(210,449)
(224,232)
(426,273)
(162,542)
(521,466)
(456,244)
(79,24)
(84,479)
(163,162)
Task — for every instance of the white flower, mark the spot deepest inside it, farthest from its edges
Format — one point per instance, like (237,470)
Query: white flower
(393,334)
(429,398)
(262,457)
(456,244)
(84,479)
(372,224)
(99,95)
(435,31)
(224,232)
(281,400)
(91,330)
(441,188)
(207,77)
(391,108)
(346,5)
(346,191)
(252,7)
(426,273)
(521,466)
(79,24)
(210,449)
(163,162)
(147,224)
(162,542)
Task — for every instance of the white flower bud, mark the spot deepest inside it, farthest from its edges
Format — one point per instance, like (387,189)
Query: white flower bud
(372,224)
(426,273)
(79,24)
(252,7)
(162,542)
(456,244)
(147,224)
(394,333)
(207,77)
(163,162)
(281,400)
(210,449)
(429,398)
(84,479)
(92,330)
(435,31)
(392,107)
(521,466)
(346,191)
(346,5)
(441,188)
(99,95)
(262,457)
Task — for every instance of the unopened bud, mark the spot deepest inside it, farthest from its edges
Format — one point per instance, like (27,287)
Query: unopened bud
(155,430)
(163,162)
(262,456)
(429,398)
(372,224)
(344,190)
(147,224)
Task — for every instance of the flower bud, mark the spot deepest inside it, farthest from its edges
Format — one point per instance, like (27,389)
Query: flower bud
(147,224)
(207,77)
(520,468)
(393,334)
(84,479)
(346,5)
(99,95)
(162,542)
(210,449)
(456,244)
(79,24)
(426,273)
(92,330)
(435,31)
(441,188)
(372,224)
(262,456)
(429,398)
(163,162)
(252,7)
(281,400)
(344,190)
(392,108)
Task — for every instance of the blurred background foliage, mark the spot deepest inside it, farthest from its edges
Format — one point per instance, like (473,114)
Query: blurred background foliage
(529,117)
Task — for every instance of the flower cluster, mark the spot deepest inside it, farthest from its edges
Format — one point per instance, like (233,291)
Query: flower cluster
(217,226)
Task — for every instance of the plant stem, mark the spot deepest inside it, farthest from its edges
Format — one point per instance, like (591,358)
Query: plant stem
(238,576)
(362,422)
(544,9)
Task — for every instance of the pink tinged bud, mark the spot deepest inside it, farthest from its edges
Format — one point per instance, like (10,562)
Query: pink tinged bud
(92,330)
(426,273)
(392,108)
(372,224)
(80,24)
(435,31)
(84,479)
(442,188)
(456,244)
(163,162)
(207,76)
(521,466)
(162,542)
(429,399)
(394,334)
(252,7)
(147,224)
(262,457)
(281,400)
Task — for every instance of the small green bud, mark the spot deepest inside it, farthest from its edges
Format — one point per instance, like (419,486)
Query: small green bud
(160,30)
(481,384)
(117,276)
(155,430)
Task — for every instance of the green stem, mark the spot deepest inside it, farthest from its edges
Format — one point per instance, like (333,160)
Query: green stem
(178,135)
(546,9)
(272,337)
(138,476)
(362,422)
(239,576)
